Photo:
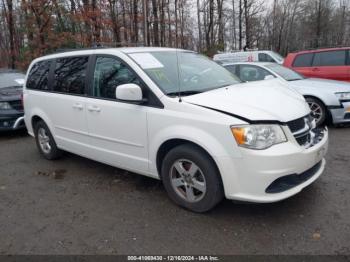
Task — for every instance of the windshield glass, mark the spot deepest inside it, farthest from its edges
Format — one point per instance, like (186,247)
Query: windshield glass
(278,57)
(197,73)
(11,80)
(284,72)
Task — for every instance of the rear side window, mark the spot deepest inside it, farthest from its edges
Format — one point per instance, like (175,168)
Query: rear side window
(265,58)
(232,69)
(249,73)
(38,78)
(304,60)
(330,58)
(70,75)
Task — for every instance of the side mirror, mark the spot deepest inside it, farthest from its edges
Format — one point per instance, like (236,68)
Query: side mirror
(129,92)
(269,77)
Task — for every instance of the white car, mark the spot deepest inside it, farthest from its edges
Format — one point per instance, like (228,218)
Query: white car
(249,56)
(328,99)
(177,116)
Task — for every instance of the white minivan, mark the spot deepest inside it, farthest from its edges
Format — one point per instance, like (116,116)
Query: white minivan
(177,116)
(249,56)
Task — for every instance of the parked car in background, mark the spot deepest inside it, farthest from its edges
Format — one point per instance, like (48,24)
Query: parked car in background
(177,116)
(11,108)
(249,56)
(328,99)
(332,63)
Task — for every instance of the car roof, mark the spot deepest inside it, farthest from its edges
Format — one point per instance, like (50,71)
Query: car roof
(320,50)
(89,51)
(249,63)
(11,78)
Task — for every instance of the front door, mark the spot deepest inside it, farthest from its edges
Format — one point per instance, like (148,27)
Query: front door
(118,130)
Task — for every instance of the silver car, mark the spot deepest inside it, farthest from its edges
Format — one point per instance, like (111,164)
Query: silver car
(328,99)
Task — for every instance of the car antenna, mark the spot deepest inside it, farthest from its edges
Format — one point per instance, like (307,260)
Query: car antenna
(178,75)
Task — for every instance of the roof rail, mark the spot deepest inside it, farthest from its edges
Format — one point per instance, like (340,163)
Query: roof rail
(320,47)
(99,45)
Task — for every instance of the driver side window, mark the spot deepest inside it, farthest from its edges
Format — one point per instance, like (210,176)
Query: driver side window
(110,73)
(249,73)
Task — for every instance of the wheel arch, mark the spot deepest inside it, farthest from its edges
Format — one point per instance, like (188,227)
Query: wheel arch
(169,144)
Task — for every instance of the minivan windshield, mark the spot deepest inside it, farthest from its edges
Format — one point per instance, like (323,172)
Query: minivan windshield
(284,72)
(183,72)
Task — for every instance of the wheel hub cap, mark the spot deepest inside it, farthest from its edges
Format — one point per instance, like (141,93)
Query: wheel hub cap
(188,180)
(44,141)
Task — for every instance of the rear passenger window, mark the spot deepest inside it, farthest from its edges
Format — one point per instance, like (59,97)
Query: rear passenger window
(304,60)
(232,69)
(38,78)
(331,58)
(265,58)
(110,73)
(70,74)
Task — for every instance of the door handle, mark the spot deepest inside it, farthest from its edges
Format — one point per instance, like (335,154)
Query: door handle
(94,109)
(78,106)
(316,69)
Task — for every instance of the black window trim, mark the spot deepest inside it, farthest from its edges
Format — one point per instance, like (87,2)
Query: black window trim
(325,51)
(255,66)
(52,75)
(156,103)
(51,61)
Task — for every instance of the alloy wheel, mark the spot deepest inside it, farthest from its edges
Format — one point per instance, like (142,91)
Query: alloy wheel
(188,180)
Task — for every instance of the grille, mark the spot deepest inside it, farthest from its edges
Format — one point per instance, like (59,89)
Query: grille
(303,140)
(17,105)
(296,125)
(301,128)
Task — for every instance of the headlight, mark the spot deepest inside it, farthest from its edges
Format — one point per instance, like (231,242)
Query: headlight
(5,106)
(343,96)
(258,136)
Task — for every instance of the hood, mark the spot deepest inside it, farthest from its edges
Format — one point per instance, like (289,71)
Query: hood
(266,100)
(11,93)
(331,85)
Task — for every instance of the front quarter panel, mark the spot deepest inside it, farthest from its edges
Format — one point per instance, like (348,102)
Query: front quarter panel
(208,129)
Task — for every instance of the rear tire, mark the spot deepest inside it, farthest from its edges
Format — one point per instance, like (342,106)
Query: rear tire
(191,178)
(45,141)
(318,110)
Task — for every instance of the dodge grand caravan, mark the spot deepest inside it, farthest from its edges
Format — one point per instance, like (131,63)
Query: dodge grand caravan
(177,116)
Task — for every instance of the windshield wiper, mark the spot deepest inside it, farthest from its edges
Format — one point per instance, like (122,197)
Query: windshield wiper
(184,93)
(295,79)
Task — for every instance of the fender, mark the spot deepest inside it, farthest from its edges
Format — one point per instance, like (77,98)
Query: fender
(212,145)
(40,113)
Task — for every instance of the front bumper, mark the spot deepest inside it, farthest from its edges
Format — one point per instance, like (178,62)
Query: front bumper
(12,122)
(341,114)
(248,178)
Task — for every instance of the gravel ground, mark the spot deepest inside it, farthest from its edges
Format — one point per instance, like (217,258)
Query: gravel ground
(78,206)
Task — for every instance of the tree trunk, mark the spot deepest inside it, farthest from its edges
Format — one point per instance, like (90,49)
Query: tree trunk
(221,42)
(199,26)
(11,33)
(240,25)
(155,23)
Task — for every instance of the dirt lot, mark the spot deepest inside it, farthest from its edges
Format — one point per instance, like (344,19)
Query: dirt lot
(77,206)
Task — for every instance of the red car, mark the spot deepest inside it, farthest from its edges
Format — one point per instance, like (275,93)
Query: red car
(332,63)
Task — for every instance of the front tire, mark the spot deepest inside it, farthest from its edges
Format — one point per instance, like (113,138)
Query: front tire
(191,178)
(318,110)
(45,142)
